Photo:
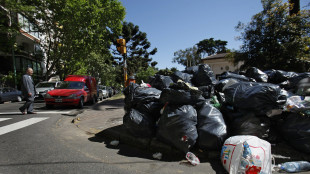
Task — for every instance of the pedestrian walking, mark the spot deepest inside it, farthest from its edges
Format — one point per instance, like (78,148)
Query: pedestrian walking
(28,91)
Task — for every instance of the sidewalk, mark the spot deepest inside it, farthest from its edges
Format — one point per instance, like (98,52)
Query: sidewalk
(105,120)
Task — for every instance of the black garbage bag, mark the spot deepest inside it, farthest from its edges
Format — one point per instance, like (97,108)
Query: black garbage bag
(180,97)
(279,76)
(211,127)
(182,76)
(135,94)
(207,91)
(204,76)
(220,84)
(160,82)
(244,123)
(191,70)
(139,124)
(257,97)
(257,74)
(177,127)
(296,130)
(227,75)
(151,109)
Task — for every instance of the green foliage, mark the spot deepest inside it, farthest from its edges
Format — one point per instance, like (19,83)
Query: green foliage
(138,53)
(276,40)
(188,57)
(145,74)
(211,46)
(167,72)
(75,29)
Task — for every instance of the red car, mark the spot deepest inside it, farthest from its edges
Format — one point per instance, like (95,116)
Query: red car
(76,90)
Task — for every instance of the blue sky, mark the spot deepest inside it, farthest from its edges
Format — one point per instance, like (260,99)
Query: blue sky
(172,25)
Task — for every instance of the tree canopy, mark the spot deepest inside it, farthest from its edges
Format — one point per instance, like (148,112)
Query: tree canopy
(138,48)
(73,30)
(275,40)
(188,57)
(211,46)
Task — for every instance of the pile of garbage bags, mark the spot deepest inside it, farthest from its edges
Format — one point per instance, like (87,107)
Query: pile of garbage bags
(193,109)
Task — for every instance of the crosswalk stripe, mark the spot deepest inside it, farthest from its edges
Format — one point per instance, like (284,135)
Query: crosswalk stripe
(43,112)
(3,119)
(21,124)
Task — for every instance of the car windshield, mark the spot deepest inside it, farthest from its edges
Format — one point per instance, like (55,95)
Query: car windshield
(45,85)
(71,85)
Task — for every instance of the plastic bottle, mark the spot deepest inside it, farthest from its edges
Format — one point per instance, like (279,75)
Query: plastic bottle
(296,166)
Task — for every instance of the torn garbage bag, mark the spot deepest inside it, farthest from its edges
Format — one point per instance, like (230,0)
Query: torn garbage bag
(139,124)
(258,97)
(211,127)
(177,126)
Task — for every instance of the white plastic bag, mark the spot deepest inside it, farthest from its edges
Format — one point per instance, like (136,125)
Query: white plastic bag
(232,152)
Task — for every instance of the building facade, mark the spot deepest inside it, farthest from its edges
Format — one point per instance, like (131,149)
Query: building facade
(219,64)
(20,50)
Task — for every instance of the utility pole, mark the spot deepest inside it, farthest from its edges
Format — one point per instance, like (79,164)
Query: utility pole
(294,7)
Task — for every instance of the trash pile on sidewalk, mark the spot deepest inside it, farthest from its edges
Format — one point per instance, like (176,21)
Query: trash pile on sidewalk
(191,109)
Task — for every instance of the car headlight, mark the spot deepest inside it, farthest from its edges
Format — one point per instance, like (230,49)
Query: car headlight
(72,96)
(47,95)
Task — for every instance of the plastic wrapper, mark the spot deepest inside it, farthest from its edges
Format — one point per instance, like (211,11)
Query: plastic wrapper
(257,97)
(139,124)
(246,154)
(177,126)
(204,76)
(256,74)
(211,127)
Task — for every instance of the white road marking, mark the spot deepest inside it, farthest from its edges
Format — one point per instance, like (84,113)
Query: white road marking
(21,124)
(3,119)
(43,112)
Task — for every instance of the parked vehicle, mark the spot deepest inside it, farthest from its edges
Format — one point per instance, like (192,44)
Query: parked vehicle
(102,92)
(10,94)
(75,90)
(43,87)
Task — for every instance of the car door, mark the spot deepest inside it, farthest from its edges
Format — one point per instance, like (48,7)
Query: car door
(86,89)
(5,94)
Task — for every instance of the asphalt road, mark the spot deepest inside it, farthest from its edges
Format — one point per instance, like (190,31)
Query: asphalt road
(42,143)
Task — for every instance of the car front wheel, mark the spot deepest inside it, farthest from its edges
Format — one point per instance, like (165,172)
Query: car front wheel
(81,103)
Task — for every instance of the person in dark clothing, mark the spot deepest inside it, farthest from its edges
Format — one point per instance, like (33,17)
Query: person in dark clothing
(28,91)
